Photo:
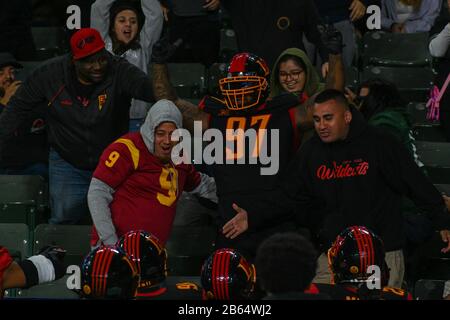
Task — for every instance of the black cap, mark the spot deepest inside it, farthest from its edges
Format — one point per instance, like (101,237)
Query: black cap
(7,59)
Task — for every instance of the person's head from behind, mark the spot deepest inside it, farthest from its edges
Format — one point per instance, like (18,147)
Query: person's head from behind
(246,84)
(108,273)
(90,58)
(8,66)
(125,22)
(291,71)
(377,95)
(157,131)
(226,275)
(286,262)
(357,256)
(332,116)
(150,257)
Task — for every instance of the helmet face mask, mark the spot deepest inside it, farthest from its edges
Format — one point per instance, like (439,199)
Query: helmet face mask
(149,256)
(227,275)
(353,252)
(247,82)
(107,273)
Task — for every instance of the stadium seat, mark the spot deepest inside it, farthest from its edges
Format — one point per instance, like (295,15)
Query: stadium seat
(189,79)
(48,41)
(445,188)
(22,199)
(414,83)
(434,154)
(215,73)
(352,78)
(429,132)
(396,49)
(187,248)
(53,290)
(16,238)
(228,40)
(73,238)
(426,289)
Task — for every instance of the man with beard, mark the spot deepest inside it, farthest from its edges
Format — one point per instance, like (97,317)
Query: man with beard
(88,93)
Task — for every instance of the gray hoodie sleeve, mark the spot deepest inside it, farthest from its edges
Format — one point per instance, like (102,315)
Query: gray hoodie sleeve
(100,16)
(206,188)
(441,43)
(153,25)
(100,195)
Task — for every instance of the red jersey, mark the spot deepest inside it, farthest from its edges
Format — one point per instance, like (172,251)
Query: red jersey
(146,190)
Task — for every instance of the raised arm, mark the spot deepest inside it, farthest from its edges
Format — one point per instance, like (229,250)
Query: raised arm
(151,31)
(163,89)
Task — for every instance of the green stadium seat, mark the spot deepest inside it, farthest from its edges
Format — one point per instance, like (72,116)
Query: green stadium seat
(396,49)
(352,78)
(48,41)
(429,132)
(228,40)
(187,249)
(414,83)
(434,154)
(189,79)
(16,238)
(436,158)
(215,73)
(73,238)
(23,199)
(445,188)
(53,290)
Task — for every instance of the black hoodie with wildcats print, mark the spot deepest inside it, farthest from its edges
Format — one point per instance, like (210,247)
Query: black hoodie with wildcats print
(358,181)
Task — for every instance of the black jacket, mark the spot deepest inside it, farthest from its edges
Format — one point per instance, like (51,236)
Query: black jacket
(358,181)
(79,134)
(268,27)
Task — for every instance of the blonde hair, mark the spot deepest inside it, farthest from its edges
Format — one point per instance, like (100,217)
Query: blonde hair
(414,3)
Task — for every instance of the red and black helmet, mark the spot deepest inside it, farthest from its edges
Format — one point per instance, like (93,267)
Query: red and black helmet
(108,273)
(353,252)
(247,82)
(149,255)
(226,275)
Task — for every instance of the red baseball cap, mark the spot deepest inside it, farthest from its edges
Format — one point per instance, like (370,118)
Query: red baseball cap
(86,42)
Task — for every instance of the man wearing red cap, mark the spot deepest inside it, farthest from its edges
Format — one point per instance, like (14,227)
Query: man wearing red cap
(88,93)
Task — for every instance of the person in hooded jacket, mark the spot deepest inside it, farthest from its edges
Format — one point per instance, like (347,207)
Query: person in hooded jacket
(352,173)
(129,32)
(136,185)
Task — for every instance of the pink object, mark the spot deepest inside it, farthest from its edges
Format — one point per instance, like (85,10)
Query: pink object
(433,103)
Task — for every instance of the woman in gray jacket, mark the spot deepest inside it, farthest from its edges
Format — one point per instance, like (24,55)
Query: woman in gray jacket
(129,32)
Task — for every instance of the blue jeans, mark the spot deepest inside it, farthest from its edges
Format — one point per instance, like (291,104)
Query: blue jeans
(68,190)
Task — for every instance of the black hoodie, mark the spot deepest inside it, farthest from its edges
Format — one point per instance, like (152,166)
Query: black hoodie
(359,181)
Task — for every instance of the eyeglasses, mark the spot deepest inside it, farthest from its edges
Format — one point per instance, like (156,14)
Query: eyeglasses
(293,75)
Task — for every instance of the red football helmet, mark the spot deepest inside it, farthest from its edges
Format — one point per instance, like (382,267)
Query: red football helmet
(247,82)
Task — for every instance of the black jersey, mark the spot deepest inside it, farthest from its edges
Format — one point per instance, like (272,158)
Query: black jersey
(253,158)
